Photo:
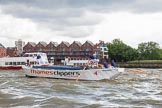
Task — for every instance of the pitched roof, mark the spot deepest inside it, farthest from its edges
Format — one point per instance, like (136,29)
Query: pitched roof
(90,43)
(66,43)
(32,43)
(54,43)
(77,42)
(1,46)
(43,43)
(11,48)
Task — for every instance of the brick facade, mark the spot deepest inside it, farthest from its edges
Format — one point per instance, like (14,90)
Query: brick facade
(12,52)
(64,49)
(51,49)
(29,47)
(75,49)
(2,51)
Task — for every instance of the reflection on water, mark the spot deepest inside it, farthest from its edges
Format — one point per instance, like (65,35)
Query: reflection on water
(130,89)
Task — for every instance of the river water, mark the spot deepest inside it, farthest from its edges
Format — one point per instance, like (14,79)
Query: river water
(129,90)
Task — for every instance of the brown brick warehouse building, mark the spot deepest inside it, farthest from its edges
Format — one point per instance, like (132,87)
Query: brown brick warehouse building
(2,51)
(57,52)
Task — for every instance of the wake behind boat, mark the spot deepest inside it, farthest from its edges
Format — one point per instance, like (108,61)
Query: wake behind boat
(92,72)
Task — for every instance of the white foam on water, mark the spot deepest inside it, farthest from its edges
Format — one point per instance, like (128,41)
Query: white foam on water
(128,90)
(35,106)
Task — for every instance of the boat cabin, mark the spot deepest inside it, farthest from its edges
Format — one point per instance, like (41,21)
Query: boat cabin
(27,58)
(75,61)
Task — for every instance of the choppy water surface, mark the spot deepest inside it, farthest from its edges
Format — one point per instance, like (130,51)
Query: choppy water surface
(133,90)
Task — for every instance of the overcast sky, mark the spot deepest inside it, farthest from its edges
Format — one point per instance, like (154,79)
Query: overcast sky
(132,21)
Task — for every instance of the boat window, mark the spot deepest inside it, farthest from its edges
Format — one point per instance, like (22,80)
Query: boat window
(10,63)
(14,63)
(18,63)
(22,63)
(25,55)
(32,63)
(6,63)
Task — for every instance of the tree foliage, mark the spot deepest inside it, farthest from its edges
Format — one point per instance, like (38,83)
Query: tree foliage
(145,51)
(121,52)
(160,54)
(149,51)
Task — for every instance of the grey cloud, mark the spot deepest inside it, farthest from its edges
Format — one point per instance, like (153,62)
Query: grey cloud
(59,15)
(38,13)
(42,10)
(97,5)
(64,3)
(77,32)
(7,37)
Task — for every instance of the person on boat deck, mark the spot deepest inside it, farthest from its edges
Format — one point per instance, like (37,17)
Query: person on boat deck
(27,62)
(100,66)
(105,64)
(94,61)
(113,63)
(94,58)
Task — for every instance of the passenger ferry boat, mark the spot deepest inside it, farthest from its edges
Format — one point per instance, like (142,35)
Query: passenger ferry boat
(17,63)
(90,72)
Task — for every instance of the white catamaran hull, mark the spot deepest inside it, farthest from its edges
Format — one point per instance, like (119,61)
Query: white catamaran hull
(90,74)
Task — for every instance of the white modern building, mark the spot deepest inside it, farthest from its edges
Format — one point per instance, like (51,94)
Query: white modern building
(103,50)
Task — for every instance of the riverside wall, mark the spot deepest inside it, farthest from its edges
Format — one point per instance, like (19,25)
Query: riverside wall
(140,65)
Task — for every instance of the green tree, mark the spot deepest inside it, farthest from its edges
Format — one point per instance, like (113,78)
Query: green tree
(149,50)
(161,54)
(121,52)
